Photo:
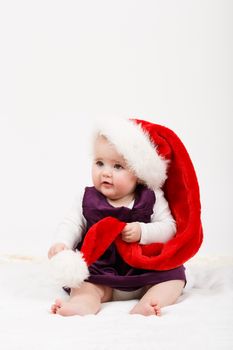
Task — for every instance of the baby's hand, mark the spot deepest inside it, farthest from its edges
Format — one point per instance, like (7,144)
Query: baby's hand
(131,232)
(56,248)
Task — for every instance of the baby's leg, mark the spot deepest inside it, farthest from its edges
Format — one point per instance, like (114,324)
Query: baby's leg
(162,294)
(83,301)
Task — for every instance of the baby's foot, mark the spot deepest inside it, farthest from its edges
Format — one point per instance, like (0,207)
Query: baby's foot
(66,308)
(56,306)
(146,309)
(72,307)
(157,309)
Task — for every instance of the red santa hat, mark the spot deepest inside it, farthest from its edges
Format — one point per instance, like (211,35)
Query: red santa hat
(159,159)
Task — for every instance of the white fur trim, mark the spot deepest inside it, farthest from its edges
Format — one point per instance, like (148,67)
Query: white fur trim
(137,148)
(68,269)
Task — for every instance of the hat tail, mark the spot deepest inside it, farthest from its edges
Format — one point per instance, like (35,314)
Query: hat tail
(99,237)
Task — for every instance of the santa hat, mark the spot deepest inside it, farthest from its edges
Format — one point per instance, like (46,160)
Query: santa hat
(159,159)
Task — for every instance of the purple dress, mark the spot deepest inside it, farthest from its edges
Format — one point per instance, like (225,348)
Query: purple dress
(110,269)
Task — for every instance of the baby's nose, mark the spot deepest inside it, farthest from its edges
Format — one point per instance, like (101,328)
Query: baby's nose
(106,172)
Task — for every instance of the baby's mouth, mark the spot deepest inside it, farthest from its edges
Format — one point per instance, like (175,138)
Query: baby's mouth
(106,183)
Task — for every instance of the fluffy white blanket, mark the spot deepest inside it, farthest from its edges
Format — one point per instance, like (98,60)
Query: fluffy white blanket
(202,319)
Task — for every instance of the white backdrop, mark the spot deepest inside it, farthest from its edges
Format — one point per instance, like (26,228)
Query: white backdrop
(62,63)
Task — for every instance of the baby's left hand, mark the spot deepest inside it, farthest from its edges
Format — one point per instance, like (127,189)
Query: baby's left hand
(131,232)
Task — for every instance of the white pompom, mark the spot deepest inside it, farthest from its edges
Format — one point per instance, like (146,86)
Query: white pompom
(68,268)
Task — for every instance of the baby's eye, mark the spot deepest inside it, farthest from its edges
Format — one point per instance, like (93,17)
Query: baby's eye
(118,166)
(99,163)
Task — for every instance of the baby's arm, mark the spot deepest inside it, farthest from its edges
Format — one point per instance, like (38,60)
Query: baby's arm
(69,231)
(162,226)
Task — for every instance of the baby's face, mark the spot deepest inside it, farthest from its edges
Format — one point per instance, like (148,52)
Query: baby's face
(110,173)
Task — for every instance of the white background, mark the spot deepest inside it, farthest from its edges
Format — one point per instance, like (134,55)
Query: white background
(62,63)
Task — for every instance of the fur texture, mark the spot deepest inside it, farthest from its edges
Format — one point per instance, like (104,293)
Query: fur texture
(68,269)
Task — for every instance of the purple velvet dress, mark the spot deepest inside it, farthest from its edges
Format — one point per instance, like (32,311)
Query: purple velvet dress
(110,269)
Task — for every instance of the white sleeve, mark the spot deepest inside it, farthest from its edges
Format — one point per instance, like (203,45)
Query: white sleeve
(162,226)
(69,231)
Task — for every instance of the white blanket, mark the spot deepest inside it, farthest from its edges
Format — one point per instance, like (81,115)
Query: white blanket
(202,319)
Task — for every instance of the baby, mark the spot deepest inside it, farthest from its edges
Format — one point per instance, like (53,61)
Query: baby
(118,191)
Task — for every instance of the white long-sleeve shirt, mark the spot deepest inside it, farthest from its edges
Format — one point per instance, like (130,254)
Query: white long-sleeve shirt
(161,228)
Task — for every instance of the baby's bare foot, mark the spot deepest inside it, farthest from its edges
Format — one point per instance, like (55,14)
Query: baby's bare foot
(146,309)
(72,307)
(66,308)
(56,306)
(157,310)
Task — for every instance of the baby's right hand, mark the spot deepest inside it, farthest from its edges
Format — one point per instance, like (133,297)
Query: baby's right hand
(56,248)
